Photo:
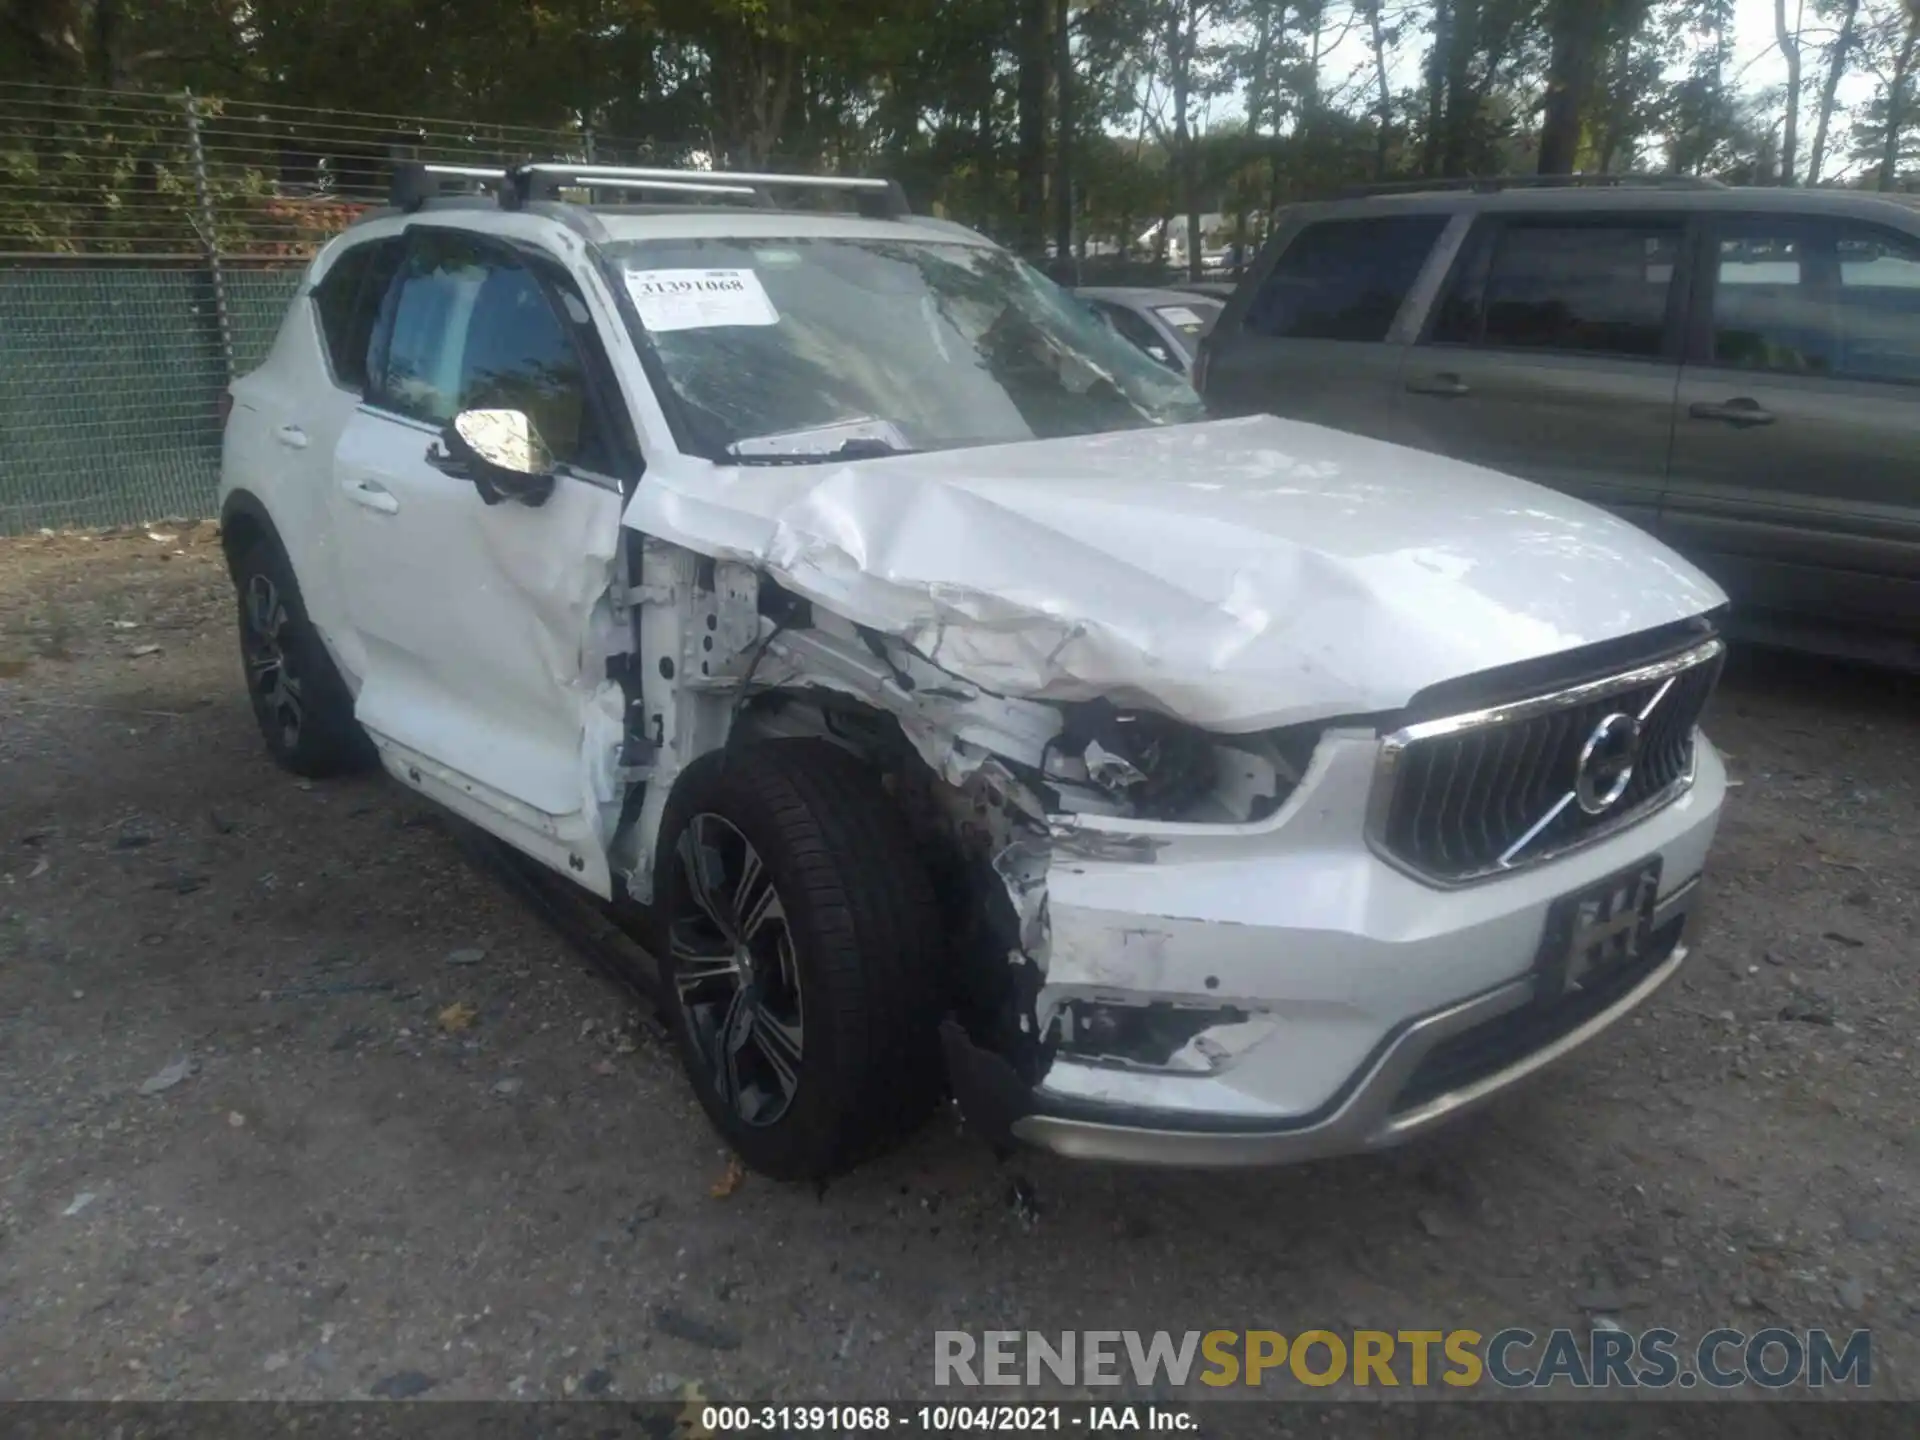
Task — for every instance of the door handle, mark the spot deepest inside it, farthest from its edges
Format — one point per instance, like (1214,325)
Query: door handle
(291,436)
(1742,412)
(1445,386)
(371,494)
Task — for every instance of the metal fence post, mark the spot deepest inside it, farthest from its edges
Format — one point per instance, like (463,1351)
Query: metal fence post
(209,238)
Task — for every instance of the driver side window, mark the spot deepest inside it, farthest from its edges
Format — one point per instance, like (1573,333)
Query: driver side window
(472,328)
(1136,330)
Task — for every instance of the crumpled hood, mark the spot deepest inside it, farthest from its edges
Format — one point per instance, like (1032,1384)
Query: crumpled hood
(1238,574)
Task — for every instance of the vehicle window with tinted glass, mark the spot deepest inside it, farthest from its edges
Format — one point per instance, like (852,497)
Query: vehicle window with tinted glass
(1136,330)
(1582,289)
(1344,279)
(335,300)
(1822,298)
(1879,306)
(518,356)
(1769,310)
(474,330)
(427,334)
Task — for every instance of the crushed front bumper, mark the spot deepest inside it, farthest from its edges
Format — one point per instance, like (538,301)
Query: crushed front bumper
(1377,1009)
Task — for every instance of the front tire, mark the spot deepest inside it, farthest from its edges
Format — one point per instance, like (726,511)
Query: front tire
(803,956)
(301,704)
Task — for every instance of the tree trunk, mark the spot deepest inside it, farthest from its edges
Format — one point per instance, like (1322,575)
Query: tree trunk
(1578,28)
(989,155)
(1031,93)
(1829,96)
(1434,149)
(1897,100)
(107,68)
(1463,99)
(1789,39)
(1383,141)
(1182,32)
(1063,140)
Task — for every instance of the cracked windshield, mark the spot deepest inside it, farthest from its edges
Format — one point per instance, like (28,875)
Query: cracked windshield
(787,350)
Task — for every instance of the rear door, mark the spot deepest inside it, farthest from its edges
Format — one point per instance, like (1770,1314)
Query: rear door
(478,621)
(1796,474)
(1317,339)
(290,413)
(1554,354)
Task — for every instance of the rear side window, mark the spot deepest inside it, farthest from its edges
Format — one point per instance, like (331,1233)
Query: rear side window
(346,303)
(1817,297)
(1344,279)
(1582,289)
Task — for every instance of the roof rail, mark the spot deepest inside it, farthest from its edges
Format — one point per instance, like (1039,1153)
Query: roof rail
(545,182)
(1489,184)
(415,183)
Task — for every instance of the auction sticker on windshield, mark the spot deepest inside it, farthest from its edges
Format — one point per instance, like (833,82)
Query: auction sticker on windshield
(699,299)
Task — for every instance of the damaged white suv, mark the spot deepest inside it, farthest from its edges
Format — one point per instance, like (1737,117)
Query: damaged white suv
(955,707)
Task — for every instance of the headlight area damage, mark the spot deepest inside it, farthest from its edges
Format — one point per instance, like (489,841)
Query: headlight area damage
(1105,677)
(998,792)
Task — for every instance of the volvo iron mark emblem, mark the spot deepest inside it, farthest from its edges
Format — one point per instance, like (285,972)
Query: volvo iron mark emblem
(1606,763)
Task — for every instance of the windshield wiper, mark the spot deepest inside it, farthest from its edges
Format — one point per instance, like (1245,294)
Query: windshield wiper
(865,447)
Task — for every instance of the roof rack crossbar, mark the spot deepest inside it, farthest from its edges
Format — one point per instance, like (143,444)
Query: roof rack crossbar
(1495,183)
(416,182)
(545,181)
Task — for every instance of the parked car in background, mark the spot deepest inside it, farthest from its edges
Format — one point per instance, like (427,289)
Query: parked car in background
(1736,371)
(1221,290)
(1165,324)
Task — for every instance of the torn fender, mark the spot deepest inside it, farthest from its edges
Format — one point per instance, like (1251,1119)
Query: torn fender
(1236,574)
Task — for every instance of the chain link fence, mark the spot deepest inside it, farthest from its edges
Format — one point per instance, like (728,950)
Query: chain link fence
(149,245)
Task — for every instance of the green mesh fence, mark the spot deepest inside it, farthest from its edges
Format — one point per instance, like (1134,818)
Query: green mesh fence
(110,382)
(111,362)
(116,209)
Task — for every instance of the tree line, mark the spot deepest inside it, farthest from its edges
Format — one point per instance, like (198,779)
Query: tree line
(1162,125)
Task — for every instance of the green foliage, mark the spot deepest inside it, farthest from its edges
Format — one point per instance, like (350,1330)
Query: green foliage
(1225,107)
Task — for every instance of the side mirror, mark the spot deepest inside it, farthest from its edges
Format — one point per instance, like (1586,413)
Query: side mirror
(502,452)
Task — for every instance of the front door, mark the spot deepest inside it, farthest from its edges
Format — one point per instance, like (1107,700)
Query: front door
(1553,355)
(483,682)
(1796,470)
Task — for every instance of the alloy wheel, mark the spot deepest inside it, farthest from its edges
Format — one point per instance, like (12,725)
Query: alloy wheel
(736,973)
(270,674)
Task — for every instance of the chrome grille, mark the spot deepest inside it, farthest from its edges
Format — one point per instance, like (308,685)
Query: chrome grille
(1479,794)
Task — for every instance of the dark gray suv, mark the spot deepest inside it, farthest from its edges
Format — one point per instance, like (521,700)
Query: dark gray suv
(1737,371)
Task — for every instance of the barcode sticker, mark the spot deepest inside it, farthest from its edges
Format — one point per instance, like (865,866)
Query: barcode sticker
(699,299)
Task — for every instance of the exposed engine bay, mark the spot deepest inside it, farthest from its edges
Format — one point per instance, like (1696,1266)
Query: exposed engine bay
(991,786)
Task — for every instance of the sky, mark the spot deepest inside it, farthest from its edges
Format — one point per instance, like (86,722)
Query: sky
(1757,64)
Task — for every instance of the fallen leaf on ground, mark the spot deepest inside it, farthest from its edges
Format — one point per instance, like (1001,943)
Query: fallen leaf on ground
(694,1412)
(458,1016)
(167,1076)
(735,1175)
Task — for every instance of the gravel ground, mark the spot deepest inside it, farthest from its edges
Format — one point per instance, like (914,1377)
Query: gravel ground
(297,1103)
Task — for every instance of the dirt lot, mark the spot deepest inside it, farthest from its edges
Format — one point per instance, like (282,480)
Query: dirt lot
(418,1137)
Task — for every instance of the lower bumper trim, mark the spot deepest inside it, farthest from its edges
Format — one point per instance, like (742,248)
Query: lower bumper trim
(1366,1118)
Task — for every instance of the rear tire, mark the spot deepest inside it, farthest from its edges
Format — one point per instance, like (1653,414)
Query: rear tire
(301,704)
(802,954)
